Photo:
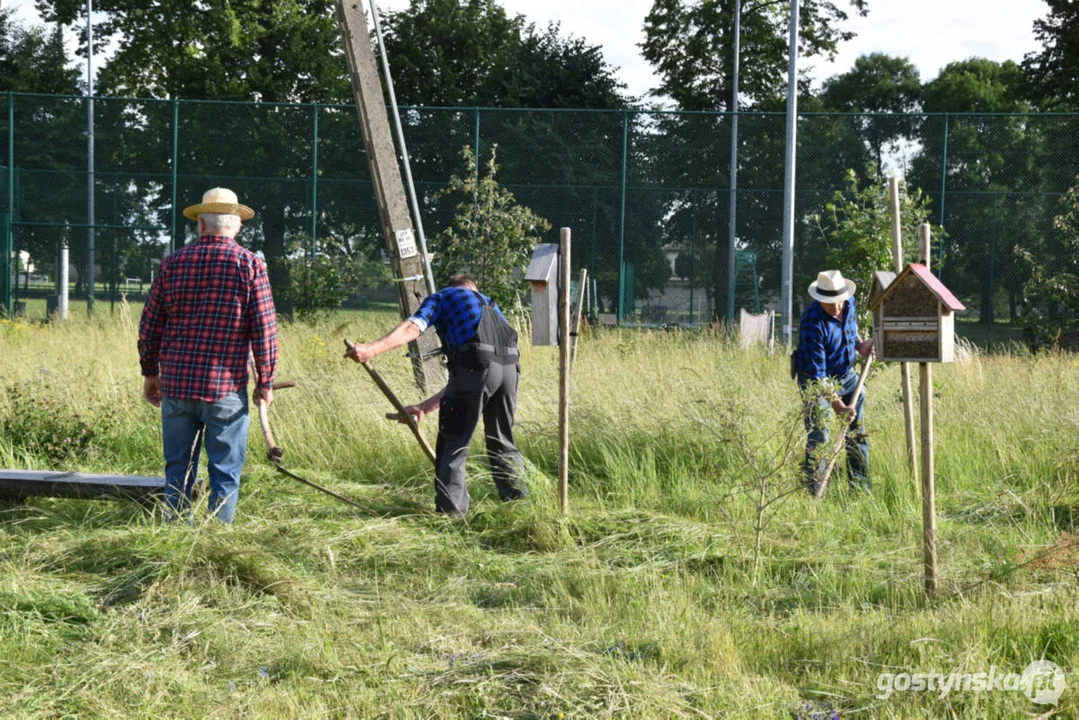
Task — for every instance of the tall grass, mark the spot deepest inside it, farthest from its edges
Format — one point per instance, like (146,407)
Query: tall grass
(641,604)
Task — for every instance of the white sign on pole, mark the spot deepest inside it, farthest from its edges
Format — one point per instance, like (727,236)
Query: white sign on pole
(406,244)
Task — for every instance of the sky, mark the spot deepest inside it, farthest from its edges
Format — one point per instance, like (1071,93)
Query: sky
(931,33)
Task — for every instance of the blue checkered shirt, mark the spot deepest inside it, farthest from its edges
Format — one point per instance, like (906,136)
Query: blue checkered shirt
(826,345)
(455,313)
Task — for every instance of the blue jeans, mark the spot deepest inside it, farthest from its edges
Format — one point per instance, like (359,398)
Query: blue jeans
(857,443)
(222,426)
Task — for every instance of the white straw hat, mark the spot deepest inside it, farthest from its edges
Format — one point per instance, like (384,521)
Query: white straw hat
(219,200)
(831,287)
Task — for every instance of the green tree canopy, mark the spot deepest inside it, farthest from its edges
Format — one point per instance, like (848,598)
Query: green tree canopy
(878,83)
(690,43)
(34,59)
(1053,72)
(281,51)
(472,53)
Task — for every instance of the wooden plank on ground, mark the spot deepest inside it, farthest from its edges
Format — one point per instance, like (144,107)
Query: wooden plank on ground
(19,484)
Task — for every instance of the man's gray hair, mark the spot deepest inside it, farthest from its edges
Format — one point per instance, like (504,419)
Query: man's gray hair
(221,223)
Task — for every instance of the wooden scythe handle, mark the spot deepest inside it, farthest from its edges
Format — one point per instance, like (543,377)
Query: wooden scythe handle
(838,447)
(399,406)
(273,452)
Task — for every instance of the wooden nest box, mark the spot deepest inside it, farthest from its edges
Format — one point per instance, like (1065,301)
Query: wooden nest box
(913,316)
(542,275)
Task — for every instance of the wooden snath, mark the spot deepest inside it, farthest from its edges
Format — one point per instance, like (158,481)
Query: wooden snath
(389,187)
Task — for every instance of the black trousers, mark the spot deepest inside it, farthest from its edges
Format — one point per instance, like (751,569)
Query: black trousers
(487,391)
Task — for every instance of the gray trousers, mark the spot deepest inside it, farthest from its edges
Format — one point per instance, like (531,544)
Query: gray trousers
(488,391)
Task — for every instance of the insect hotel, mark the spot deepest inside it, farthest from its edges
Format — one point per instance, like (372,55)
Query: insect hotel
(913,316)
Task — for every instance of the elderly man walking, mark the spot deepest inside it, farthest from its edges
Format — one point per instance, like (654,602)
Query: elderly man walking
(827,343)
(209,310)
(483,362)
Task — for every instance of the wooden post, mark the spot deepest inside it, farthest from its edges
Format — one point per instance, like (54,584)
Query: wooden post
(904,368)
(582,288)
(563,369)
(929,509)
(408,266)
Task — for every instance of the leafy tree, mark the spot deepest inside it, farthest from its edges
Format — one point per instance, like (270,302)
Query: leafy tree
(1051,296)
(878,83)
(34,60)
(857,229)
(988,158)
(284,51)
(491,237)
(690,43)
(1052,73)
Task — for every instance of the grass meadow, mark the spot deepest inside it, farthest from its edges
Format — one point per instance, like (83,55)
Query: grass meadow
(666,593)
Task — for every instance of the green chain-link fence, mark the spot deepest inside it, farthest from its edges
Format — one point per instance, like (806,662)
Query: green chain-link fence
(647,194)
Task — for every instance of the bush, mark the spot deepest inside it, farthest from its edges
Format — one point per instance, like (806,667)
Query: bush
(44,425)
(319,284)
(1051,299)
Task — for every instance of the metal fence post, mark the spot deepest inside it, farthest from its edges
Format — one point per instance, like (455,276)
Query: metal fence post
(943,185)
(314,180)
(622,223)
(175,158)
(10,215)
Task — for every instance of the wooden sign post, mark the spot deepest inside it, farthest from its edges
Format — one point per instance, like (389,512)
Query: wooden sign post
(929,502)
(563,368)
(904,368)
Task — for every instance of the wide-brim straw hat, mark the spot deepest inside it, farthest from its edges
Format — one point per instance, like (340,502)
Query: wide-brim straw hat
(831,287)
(219,200)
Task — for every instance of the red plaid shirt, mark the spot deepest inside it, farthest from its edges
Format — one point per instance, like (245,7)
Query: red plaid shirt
(209,308)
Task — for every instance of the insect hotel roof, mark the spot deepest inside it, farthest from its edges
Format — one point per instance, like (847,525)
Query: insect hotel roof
(929,280)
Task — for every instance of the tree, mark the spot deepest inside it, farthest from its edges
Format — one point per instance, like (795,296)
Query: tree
(1051,295)
(492,236)
(282,51)
(878,83)
(690,44)
(34,60)
(1052,74)
(989,157)
(857,228)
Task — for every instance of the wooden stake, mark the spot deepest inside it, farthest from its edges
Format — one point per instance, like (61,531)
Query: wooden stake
(563,369)
(582,287)
(929,507)
(904,368)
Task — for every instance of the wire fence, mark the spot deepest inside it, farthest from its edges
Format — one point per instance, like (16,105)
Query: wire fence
(647,194)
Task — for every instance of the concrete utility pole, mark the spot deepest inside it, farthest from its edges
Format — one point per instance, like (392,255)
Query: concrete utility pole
(408,265)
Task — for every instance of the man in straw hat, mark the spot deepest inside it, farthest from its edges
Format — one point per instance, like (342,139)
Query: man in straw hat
(208,310)
(827,342)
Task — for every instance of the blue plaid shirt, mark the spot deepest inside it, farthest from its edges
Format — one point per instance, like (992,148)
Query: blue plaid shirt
(455,313)
(826,345)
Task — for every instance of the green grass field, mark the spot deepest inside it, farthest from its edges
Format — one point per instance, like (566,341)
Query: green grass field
(645,602)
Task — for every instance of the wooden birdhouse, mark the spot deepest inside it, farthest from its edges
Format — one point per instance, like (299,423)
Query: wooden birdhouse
(542,274)
(913,316)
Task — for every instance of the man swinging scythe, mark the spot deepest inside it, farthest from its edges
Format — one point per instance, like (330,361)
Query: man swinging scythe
(481,348)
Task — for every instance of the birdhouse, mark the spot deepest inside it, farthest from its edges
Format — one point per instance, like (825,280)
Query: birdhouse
(913,316)
(542,274)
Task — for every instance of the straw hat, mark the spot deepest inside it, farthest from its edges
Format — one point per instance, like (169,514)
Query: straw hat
(219,200)
(831,287)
